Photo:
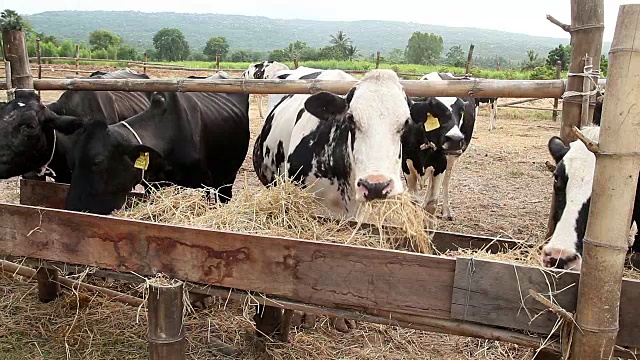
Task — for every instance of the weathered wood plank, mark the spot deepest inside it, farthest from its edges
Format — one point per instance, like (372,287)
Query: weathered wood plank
(51,195)
(490,293)
(312,272)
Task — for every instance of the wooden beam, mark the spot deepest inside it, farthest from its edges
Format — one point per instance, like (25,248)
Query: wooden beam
(312,272)
(615,184)
(482,297)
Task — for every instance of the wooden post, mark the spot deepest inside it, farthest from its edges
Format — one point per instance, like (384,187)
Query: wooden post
(144,68)
(555,101)
(497,63)
(48,285)
(586,87)
(295,61)
(217,61)
(469,60)
(587,27)
(7,75)
(77,58)
(614,188)
(15,51)
(166,330)
(38,56)
(378,60)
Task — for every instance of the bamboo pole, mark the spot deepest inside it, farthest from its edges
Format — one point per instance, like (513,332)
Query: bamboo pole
(529,108)
(516,102)
(586,87)
(469,60)
(218,61)
(7,75)
(378,60)
(77,58)
(38,54)
(166,330)
(15,52)
(555,101)
(48,284)
(480,87)
(612,201)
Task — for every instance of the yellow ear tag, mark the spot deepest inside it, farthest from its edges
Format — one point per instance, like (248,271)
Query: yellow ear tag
(432,123)
(142,162)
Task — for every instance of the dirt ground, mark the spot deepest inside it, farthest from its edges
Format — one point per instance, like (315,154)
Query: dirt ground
(500,187)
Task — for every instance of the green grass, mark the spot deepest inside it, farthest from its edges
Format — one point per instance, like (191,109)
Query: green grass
(507,74)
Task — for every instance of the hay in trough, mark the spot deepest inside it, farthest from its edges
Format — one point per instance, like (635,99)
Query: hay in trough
(287,210)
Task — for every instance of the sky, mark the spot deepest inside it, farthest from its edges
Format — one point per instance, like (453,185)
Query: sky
(505,15)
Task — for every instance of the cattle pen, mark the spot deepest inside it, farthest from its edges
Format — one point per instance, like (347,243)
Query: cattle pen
(461,296)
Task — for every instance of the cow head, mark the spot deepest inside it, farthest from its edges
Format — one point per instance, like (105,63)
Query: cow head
(26,134)
(573,181)
(104,158)
(364,138)
(438,123)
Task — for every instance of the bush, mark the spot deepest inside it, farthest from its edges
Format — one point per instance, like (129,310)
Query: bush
(197,57)
(542,73)
(100,54)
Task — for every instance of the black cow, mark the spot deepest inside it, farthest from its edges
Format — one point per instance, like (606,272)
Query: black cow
(192,139)
(28,142)
(438,136)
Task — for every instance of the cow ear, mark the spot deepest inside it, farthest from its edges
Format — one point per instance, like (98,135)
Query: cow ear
(325,105)
(420,110)
(557,149)
(62,123)
(158,99)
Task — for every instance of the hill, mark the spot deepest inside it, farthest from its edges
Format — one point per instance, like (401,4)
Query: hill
(265,34)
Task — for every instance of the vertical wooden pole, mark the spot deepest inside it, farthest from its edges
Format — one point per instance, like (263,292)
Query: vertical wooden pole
(217,61)
(555,101)
(469,60)
(614,188)
(39,59)
(77,59)
(15,51)
(7,74)
(295,62)
(166,330)
(378,60)
(586,87)
(497,63)
(48,285)
(144,68)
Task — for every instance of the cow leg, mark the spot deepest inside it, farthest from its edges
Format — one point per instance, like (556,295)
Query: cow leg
(433,192)
(412,178)
(268,320)
(260,99)
(492,115)
(446,210)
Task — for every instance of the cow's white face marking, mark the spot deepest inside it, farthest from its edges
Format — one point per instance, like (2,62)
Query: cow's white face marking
(21,104)
(579,164)
(379,108)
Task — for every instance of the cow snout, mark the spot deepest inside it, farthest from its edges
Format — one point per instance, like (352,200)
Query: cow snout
(560,259)
(453,140)
(375,187)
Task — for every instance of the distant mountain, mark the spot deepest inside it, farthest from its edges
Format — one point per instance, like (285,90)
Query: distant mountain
(265,34)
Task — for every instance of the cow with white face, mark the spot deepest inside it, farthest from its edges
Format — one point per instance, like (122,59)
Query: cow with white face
(346,149)
(433,142)
(263,70)
(573,182)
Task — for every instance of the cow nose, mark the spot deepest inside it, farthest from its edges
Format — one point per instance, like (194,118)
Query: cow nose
(375,187)
(560,259)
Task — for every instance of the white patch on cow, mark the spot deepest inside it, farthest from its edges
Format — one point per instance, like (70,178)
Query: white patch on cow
(579,165)
(21,104)
(447,101)
(454,134)
(632,233)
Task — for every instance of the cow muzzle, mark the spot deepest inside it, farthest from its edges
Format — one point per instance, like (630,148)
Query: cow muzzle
(560,259)
(375,187)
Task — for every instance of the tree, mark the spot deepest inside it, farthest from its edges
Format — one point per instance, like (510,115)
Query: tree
(104,39)
(341,42)
(279,56)
(532,61)
(240,56)
(127,53)
(562,53)
(455,56)
(67,48)
(216,45)
(604,65)
(424,48)
(351,52)
(396,56)
(10,20)
(170,45)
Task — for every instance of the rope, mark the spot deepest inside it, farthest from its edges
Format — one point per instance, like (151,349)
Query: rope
(139,141)
(589,73)
(45,169)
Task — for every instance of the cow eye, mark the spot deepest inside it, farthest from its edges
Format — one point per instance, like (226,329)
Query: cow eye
(28,126)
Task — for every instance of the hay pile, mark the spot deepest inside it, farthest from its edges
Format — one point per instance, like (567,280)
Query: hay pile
(287,210)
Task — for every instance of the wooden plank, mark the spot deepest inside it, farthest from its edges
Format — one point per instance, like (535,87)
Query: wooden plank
(313,272)
(51,195)
(490,293)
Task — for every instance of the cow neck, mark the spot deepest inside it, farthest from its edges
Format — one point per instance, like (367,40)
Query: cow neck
(45,169)
(137,138)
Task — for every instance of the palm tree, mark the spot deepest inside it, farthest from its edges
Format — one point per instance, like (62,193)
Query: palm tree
(340,40)
(351,51)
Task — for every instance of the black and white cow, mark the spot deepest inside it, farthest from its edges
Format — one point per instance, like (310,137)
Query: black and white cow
(263,70)
(438,136)
(573,182)
(192,139)
(28,141)
(345,148)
